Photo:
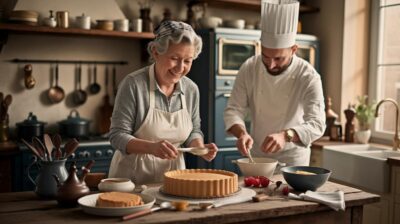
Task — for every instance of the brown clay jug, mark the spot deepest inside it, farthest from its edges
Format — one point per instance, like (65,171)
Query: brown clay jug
(73,187)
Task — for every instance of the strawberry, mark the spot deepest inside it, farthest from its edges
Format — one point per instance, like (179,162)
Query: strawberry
(285,190)
(264,181)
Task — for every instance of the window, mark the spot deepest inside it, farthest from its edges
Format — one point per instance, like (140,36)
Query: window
(385,63)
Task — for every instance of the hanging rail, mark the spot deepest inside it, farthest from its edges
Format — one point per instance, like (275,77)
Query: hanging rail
(16,60)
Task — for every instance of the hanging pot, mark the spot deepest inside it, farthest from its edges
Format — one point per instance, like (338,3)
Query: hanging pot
(74,126)
(30,127)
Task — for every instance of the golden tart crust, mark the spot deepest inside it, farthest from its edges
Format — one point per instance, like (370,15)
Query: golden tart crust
(118,199)
(200,183)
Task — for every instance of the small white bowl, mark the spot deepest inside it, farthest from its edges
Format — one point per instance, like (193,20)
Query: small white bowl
(116,184)
(237,23)
(210,22)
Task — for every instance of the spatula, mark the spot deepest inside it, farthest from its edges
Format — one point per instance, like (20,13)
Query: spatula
(49,145)
(57,144)
(198,151)
(70,147)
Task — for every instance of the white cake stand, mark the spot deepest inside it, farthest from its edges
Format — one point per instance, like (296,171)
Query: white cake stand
(243,195)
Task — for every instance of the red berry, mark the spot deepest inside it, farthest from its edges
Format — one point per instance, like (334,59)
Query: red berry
(264,181)
(248,182)
(256,182)
(285,190)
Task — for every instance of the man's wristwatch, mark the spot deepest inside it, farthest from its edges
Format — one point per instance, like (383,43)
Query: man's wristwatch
(289,135)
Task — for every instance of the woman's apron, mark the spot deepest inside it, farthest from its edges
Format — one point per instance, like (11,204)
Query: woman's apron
(158,125)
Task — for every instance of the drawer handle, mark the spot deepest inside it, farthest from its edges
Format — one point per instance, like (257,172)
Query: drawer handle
(227,95)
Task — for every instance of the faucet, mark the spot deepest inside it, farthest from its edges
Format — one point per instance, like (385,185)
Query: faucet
(396,140)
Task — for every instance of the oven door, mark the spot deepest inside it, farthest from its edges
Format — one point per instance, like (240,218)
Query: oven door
(232,53)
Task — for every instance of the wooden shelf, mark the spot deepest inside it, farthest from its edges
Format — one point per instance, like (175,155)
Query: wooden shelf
(26,29)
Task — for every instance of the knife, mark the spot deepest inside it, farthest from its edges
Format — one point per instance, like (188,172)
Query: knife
(221,203)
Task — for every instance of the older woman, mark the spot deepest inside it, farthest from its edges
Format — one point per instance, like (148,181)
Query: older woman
(157,109)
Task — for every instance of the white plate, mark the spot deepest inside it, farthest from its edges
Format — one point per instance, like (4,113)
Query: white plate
(88,204)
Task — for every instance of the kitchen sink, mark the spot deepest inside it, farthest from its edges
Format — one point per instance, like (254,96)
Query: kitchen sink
(361,165)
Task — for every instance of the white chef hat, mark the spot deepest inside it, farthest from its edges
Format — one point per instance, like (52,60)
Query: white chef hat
(279,19)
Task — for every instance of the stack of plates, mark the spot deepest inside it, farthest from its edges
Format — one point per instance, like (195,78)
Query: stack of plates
(27,17)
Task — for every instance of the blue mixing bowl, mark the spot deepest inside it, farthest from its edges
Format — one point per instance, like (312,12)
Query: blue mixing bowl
(301,182)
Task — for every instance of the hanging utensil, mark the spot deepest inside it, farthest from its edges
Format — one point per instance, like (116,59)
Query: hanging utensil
(94,88)
(105,110)
(29,80)
(114,82)
(56,94)
(79,96)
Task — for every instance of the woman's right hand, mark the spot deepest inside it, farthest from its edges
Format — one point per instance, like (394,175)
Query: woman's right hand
(164,150)
(244,144)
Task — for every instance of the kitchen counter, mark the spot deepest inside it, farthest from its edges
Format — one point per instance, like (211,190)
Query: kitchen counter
(26,207)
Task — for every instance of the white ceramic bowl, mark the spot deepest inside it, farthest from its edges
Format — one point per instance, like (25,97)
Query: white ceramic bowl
(260,167)
(116,184)
(237,23)
(210,22)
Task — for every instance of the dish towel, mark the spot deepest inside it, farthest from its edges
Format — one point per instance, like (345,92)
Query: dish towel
(335,200)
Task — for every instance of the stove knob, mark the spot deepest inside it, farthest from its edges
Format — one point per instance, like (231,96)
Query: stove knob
(110,152)
(227,83)
(72,156)
(98,153)
(84,154)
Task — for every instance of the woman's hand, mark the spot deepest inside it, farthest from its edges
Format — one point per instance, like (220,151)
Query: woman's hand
(212,151)
(164,150)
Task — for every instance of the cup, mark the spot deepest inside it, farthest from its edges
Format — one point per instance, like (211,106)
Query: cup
(62,19)
(137,25)
(121,25)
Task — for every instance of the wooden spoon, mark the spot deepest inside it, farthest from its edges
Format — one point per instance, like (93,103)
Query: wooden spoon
(33,149)
(57,144)
(49,145)
(40,147)
(70,147)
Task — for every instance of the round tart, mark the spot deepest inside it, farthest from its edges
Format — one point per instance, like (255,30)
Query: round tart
(118,199)
(200,183)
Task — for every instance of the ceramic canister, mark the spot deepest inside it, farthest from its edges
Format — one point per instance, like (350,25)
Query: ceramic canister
(83,22)
(121,25)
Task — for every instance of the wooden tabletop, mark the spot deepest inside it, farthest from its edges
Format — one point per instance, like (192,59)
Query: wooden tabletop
(26,207)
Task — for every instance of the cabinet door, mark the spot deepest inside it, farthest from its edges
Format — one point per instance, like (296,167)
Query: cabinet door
(223,161)
(5,174)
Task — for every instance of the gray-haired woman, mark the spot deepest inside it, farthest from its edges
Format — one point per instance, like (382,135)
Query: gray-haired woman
(157,109)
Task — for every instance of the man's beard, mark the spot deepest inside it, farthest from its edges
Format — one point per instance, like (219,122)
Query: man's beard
(279,70)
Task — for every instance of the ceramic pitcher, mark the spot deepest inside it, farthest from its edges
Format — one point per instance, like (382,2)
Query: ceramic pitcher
(46,185)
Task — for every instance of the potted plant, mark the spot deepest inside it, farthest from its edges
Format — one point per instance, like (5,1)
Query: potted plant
(365,113)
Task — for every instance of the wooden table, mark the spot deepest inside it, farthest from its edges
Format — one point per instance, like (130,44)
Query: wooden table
(26,207)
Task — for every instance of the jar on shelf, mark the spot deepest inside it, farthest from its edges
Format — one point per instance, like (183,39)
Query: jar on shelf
(146,20)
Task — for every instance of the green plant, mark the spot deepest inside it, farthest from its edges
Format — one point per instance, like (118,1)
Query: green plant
(365,112)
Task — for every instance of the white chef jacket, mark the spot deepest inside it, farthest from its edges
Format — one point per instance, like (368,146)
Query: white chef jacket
(294,99)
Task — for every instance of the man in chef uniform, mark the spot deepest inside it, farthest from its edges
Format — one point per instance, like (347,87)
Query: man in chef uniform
(281,92)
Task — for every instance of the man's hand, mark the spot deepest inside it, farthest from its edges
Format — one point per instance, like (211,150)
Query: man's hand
(244,144)
(164,150)
(274,142)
